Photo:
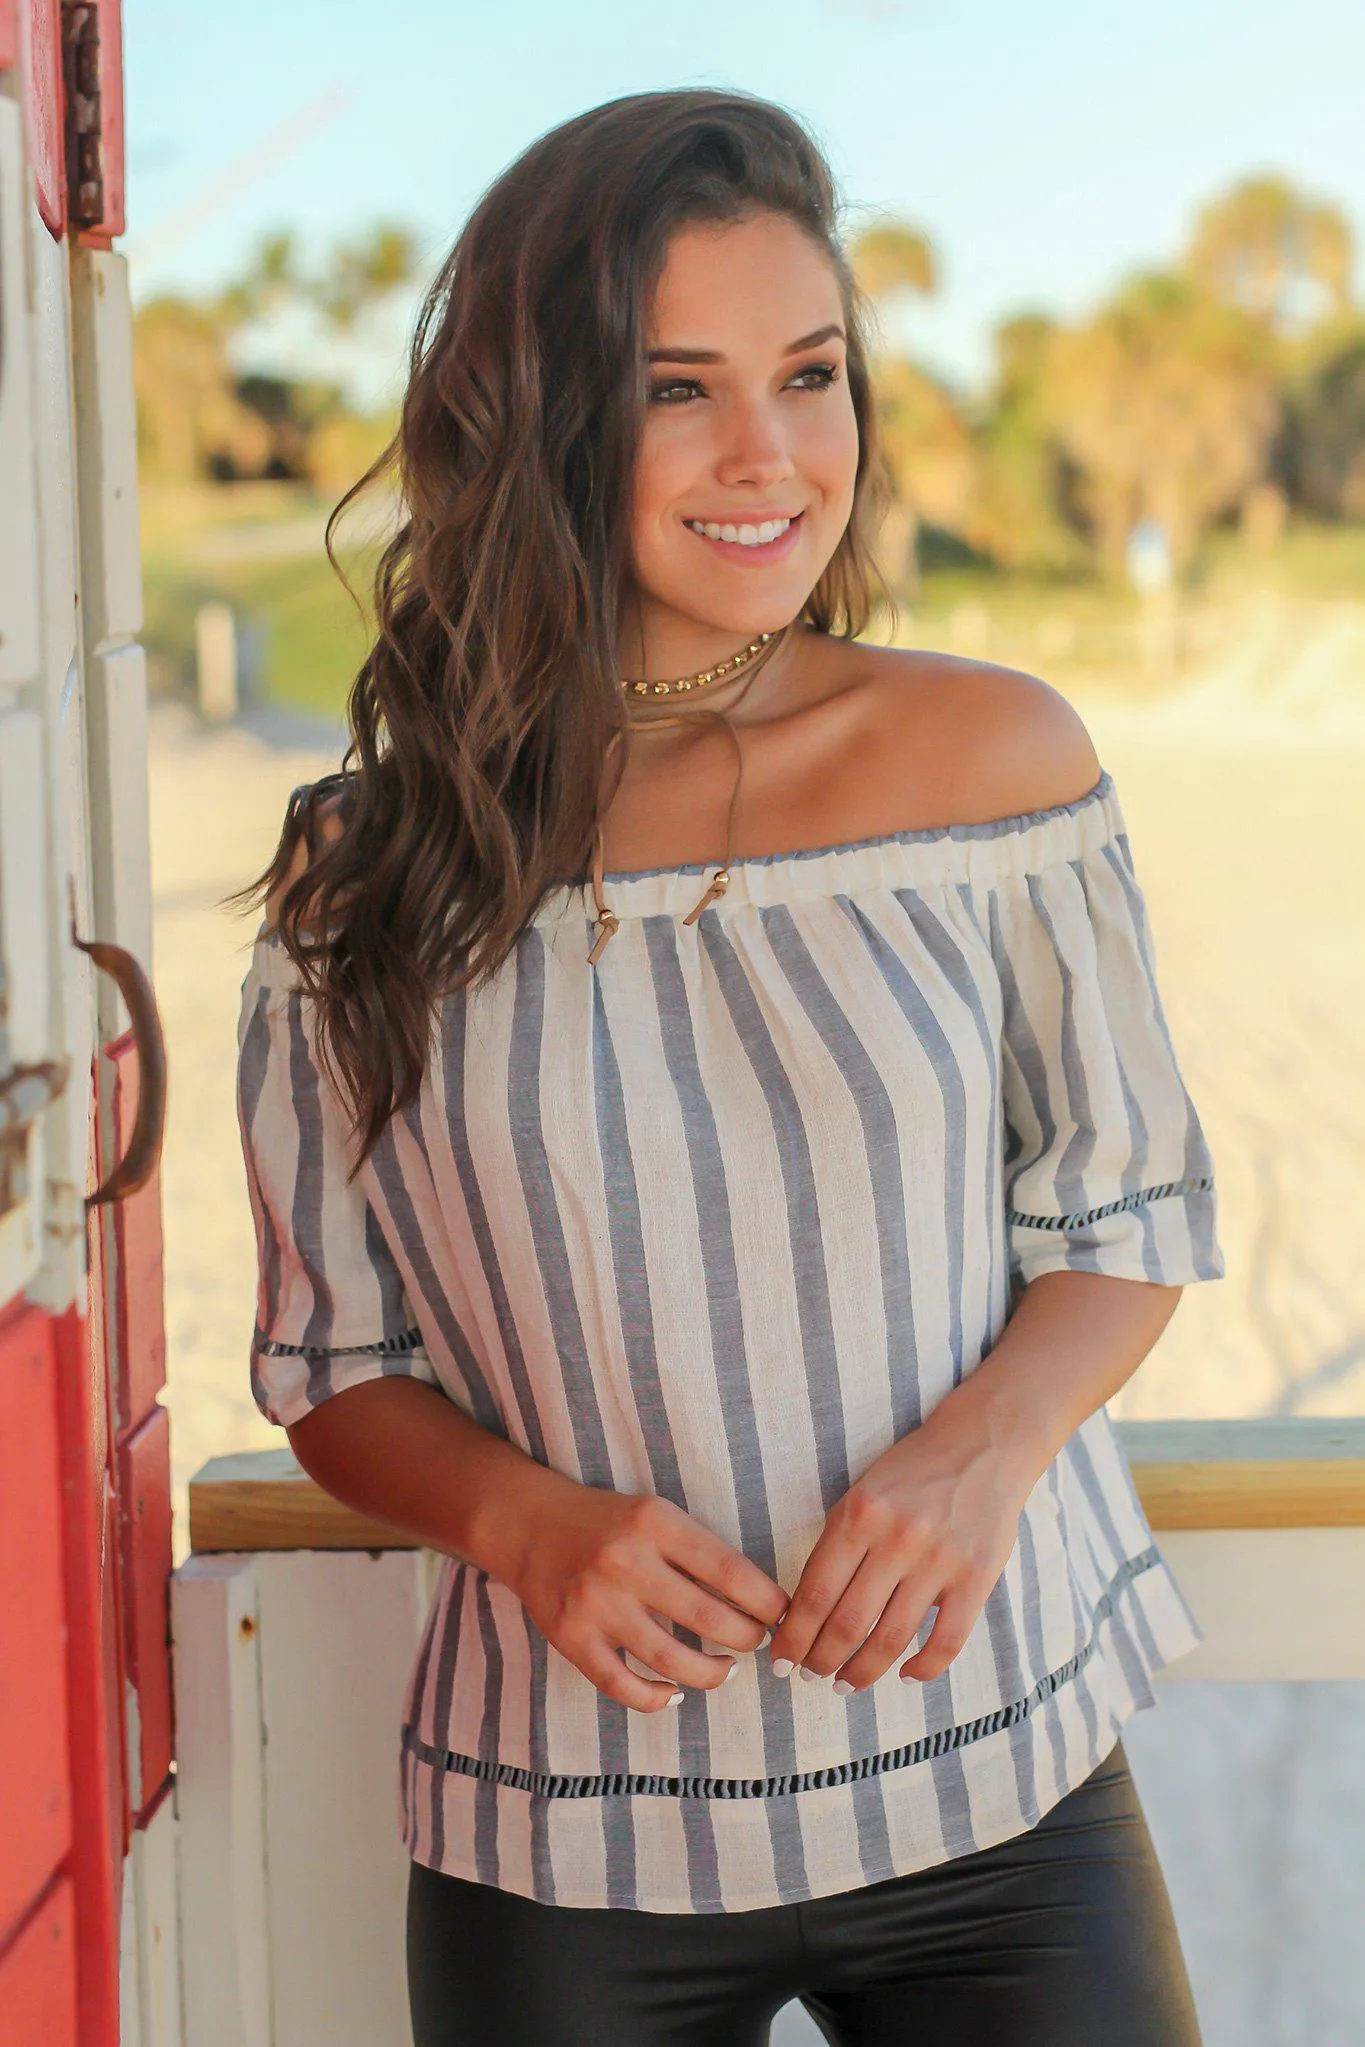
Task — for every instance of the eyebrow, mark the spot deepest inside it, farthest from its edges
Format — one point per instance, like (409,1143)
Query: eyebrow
(712,355)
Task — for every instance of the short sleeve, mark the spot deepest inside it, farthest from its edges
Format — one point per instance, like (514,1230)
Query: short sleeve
(1106,1165)
(331,1307)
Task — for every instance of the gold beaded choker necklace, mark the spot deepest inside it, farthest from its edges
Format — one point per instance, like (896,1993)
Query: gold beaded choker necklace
(683,683)
(765,645)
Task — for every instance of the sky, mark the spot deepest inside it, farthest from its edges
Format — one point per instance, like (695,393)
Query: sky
(1047,149)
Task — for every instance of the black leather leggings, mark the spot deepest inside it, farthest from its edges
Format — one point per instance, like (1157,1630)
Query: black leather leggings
(1062,1937)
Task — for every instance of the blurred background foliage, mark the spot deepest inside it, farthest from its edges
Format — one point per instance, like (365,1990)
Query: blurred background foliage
(1218,402)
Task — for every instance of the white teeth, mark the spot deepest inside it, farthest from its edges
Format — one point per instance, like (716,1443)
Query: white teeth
(744,536)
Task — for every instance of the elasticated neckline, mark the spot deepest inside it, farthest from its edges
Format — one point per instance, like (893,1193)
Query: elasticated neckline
(985,854)
(996,850)
(988,828)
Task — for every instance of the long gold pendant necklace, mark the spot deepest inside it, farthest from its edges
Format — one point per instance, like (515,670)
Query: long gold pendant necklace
(753,657)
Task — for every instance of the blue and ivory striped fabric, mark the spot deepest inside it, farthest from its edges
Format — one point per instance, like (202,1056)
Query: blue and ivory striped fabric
(721,1218)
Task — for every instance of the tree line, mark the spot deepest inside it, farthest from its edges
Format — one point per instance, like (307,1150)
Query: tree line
(1227,386)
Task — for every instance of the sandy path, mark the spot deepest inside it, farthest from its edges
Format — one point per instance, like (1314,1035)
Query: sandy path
(1249,836)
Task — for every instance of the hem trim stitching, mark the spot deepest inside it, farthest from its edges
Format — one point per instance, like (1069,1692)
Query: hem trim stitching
(633,1783)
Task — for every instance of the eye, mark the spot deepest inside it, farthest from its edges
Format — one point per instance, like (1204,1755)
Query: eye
(824,374)
(667,393)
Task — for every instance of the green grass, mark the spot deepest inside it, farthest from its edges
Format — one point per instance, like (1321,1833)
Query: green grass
(1325,563)
(195,550)
(314,641)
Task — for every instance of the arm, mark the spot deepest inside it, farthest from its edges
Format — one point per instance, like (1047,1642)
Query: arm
(598,1571)
(933,1520)
(1073,1341)
(404,1453)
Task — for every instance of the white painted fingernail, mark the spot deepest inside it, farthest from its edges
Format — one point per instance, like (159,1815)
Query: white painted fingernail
(767,1637)
(809,1675)
(783,1666)
(674,1698)
(842,1686)
(730,1672)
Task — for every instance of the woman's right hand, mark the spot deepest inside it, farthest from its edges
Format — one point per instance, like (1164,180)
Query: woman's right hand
(595,1569)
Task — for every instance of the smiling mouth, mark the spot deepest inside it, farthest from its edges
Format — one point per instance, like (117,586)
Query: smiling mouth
(760,534)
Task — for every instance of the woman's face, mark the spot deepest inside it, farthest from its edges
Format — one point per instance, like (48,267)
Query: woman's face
(745,475)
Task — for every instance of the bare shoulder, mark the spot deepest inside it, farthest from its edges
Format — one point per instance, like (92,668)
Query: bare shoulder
(999,740)
(327,823)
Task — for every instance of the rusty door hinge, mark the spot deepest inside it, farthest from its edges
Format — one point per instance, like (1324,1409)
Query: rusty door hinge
(84,121)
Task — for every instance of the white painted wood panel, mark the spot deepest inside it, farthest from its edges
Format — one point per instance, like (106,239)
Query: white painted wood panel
(338,1634)
(289,1671)
(106,441)
(27,969)
(19,585)
(151,1890)
(220,1803)
(116,732)
(57,695)
(114,668)
(129,1963)
(1273,1602)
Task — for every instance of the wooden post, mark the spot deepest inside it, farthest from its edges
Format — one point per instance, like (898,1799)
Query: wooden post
(215,652)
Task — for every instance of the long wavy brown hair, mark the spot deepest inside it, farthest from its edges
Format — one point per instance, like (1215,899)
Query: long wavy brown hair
(481,716)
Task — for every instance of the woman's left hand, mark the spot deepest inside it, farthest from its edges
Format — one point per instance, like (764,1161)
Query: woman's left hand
(930,1523)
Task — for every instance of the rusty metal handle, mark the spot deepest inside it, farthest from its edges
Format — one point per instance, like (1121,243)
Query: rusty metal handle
(139,1162)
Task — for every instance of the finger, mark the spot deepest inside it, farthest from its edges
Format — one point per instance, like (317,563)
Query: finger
(901,1620)
(958,1609)
(658,1650)
(604,1668)
(681,1599)
(825,1577)
(714,1564)
(855,1615)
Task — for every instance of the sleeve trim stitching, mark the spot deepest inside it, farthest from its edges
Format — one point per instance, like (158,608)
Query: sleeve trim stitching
(1200,1184)
(387,1346)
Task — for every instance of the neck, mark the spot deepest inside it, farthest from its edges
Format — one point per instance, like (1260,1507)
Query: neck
(752,685)
(664,645)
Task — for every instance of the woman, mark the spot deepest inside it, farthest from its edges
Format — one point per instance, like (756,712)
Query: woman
(768,1157)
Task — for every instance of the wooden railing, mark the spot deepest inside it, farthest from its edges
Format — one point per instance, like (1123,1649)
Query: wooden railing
(1297,1473)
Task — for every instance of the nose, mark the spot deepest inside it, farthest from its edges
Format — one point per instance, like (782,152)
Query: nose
(757,452)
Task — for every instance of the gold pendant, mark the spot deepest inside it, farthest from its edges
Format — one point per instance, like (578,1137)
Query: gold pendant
(713,895)
(607,925)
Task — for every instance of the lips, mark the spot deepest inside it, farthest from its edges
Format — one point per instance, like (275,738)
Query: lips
(756,540)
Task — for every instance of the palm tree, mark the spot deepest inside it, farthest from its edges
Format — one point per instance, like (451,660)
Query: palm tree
(1324,443)
(926,445)
(1167,403)
(1270,250)
(198,416)
(891,256)
(1026,484)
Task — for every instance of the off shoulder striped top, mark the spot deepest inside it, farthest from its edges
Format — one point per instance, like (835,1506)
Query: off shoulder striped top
(721,1217)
